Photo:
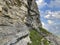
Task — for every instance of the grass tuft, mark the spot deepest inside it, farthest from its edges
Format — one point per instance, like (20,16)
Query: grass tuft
(38,39)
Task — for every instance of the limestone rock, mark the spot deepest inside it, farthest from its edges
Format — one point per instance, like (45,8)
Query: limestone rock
(17,17)
(12,28)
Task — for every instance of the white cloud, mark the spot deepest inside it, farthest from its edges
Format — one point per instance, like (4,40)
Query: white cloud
(40,3)
(43,24)
(56,14)
(49,14)
(50,22)
(55,3)
(56,27)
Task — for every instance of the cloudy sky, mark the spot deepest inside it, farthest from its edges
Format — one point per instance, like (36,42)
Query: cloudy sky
(50,15)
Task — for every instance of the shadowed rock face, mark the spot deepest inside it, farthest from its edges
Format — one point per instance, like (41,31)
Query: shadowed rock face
(16,18)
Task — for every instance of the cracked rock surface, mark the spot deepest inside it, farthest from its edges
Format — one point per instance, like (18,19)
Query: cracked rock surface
(16,18)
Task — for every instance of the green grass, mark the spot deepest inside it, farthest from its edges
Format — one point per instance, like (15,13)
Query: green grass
(46,42)
(36,38)
(44,31)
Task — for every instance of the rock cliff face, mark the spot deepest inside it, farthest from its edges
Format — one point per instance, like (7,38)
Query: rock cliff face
(17,17)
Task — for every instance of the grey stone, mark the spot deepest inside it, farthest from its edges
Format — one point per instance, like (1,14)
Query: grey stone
(17,17)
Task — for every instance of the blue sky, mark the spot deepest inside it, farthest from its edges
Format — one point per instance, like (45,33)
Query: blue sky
(50,15)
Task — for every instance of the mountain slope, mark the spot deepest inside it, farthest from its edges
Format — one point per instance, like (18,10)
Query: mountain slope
(18,20)
(38,39)
(46,38)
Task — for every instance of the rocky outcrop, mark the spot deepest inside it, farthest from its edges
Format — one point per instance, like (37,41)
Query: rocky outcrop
(17,17)
(13,31)
(54,40)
